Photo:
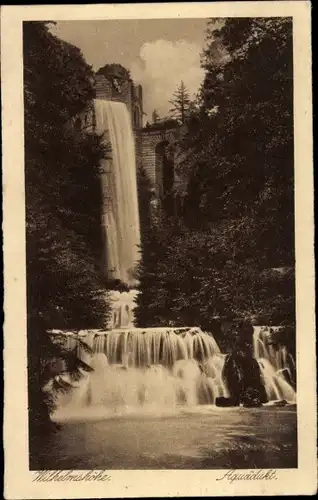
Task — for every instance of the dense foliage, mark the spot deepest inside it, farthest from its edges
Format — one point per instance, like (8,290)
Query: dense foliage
(231,256)
(240,146)
(163,124)
(114,71)
(65,287)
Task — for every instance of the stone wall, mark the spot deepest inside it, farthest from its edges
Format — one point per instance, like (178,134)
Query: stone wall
(148,142)
(122,91)
(103,88)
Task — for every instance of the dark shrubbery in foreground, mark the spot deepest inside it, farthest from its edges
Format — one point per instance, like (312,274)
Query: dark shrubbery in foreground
(65,287)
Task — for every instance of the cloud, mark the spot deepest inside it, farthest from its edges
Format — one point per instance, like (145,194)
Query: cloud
(160,68)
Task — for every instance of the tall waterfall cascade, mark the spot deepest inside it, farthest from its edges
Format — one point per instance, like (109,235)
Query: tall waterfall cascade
(120,218)
(156,370)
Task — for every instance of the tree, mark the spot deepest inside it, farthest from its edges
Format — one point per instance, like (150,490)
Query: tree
(200,278)
(69,94)
(237,162)
(63,205)
(180,103)
(151,302)
(145,194)
(164,124)
(114,71)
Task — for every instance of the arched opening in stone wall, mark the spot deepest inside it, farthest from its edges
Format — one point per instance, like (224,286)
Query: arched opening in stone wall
(136,117)
(165,176)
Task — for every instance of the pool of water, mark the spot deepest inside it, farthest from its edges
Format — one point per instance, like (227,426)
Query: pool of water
(198,438)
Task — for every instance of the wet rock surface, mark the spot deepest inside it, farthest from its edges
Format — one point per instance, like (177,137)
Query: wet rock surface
(242,376)
(280,402)
(225,402)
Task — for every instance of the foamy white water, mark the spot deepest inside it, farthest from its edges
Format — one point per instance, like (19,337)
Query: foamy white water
(154,371)
(122,309)
(274,363)
(119,187)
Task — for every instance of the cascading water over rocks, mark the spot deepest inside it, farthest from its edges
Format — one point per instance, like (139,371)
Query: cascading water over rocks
(153,369)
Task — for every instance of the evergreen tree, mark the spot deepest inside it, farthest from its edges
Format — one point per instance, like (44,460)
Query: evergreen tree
(180,103)
(145,194)
(153,299)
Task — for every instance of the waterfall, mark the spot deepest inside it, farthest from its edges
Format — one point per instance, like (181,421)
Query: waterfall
(273,360)
(120,218)
(122,306)
(152,369)
(156,370)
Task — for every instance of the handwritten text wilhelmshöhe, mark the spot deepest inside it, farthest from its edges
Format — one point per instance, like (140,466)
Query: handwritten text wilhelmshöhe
(71,475)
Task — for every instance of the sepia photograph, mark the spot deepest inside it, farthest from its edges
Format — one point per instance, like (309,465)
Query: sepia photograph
(160,246)
(160,243)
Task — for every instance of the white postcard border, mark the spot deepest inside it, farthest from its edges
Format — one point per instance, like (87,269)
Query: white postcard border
(128,483)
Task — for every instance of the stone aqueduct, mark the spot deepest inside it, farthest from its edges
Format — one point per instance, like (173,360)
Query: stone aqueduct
(153,154)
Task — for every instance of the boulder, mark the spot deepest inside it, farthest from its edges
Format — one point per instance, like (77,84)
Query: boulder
(225,402)
(233,377)
(243,378)
(280,402)
(244,336)
(251,398)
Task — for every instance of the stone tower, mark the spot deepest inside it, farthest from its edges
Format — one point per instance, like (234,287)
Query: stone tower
(122,90)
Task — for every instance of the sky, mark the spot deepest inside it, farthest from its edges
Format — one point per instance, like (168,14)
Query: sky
(159,53)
